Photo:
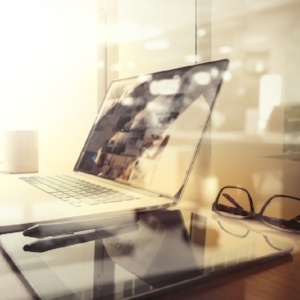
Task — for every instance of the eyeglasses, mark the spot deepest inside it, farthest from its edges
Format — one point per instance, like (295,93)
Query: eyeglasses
(279,212)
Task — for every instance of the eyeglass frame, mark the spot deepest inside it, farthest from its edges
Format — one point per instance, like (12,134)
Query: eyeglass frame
(252,214)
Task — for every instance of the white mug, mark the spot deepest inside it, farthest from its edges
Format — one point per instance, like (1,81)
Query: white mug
(20,151)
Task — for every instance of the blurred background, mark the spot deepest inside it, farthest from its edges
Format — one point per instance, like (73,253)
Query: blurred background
(58,57)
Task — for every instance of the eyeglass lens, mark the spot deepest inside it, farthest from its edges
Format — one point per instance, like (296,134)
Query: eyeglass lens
(234,201)
(282,212)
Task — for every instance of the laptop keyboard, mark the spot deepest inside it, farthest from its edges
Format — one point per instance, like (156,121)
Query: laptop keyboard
(76,192)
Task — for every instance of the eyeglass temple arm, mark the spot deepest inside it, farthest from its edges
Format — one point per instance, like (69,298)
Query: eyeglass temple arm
(231,200)
(237,210)
(292,223)
(232,210)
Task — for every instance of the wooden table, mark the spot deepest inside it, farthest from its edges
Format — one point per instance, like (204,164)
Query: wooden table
(274,280)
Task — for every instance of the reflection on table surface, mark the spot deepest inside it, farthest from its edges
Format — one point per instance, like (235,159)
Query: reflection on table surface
(163,250)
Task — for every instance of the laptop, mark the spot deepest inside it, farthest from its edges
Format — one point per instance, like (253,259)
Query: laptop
(165,251)
(142,145)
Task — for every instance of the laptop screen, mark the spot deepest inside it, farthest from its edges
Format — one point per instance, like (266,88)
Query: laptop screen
(149,128)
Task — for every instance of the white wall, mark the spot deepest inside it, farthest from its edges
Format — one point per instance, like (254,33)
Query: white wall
(48,72)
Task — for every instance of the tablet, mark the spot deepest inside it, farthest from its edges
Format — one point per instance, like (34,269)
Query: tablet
(163,251)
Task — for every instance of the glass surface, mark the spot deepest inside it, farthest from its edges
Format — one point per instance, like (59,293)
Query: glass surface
(160,252)
(148,129)
(141,37)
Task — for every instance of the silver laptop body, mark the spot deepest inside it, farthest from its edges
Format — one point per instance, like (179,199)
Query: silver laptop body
(143,143)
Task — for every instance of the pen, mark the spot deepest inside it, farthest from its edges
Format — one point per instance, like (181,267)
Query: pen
(47,244)
(69,227)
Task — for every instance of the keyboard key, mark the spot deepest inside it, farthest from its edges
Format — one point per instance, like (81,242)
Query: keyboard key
(89,201)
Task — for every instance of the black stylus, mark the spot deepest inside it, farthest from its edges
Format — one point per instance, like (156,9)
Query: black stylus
(69,227)
(47,244)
